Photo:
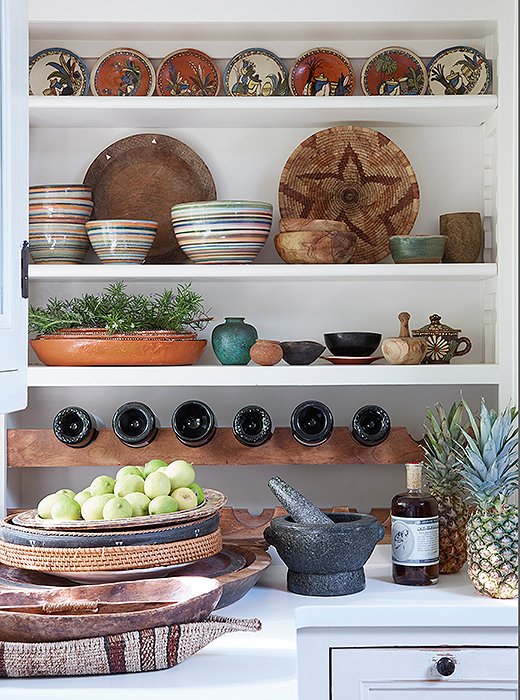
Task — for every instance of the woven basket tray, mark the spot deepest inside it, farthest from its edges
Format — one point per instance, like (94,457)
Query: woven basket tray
(131,652)
(75,559)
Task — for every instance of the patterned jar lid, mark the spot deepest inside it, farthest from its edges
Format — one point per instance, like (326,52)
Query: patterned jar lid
(435,327)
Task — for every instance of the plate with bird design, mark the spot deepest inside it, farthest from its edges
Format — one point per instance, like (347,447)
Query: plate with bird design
(123,73)
(255,73)
(188,72)
(57,71)
(459,70)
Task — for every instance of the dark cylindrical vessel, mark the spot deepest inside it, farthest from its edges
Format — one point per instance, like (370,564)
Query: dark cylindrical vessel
(75,427)
(252,426)
(194,423)
(371,425)
(312,423)
(135,424)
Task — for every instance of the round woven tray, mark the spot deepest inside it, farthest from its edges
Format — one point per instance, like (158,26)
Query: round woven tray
(356,175)
(15,534)
(215,500)
(110,558)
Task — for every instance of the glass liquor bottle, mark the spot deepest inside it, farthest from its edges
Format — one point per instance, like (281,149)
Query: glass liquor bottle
(75,427)
(312,423)
(252,426)
(194,423)
(135,424)
(415,533)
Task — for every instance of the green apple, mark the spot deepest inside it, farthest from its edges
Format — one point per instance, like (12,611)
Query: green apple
(180,473)
(129,470)
(65,508)
(153,465)
(198,491)
(139,503)
(45,505)
(82,496)
(185,497)
(66,492)
(157,484)
(163,504)
(101,485)
(117,508)
(93,508)
(129,483)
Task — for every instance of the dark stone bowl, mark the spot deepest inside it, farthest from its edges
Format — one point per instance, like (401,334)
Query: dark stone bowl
(301,352)
(355,344)
(325,560)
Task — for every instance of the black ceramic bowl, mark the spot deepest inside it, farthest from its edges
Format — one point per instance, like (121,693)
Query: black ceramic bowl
(301,352)
(355,344)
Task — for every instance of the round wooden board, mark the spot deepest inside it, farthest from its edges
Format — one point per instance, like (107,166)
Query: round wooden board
(355,175)
(215,500)
(142,177)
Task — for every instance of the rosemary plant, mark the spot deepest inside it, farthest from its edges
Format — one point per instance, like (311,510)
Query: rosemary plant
(119,312)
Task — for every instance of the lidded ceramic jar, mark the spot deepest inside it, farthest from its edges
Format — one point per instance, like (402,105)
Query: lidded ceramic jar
(442,341)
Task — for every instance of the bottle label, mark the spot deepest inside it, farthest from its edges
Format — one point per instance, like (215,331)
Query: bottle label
(415,541)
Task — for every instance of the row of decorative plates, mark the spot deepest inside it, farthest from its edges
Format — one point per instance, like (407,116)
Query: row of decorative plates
(458,70)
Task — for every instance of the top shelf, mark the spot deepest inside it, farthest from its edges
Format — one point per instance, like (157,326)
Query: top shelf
(231,112)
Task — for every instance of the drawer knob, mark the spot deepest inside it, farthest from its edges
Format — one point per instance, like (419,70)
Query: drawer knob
(445,666)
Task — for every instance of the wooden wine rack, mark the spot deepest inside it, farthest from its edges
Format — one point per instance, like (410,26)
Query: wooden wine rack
(40,448)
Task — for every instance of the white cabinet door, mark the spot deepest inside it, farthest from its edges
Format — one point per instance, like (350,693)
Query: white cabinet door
(13,202)
(412,674)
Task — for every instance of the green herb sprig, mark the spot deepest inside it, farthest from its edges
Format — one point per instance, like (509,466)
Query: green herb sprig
(119,312)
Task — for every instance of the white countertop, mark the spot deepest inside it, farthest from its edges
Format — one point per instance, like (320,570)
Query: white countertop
(262,665)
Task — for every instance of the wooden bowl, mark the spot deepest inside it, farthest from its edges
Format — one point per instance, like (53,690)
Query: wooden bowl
(288,224)
(316,247)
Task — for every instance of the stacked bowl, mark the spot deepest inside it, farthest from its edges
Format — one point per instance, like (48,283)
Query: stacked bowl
(227,231)
(57,218)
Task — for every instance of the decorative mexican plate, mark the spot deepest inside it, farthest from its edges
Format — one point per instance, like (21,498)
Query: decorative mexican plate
(187,72)
(257,73)
(394,71)
(459,70)
(57,72)
(356,175)
(142,177)
(321,72)
(123,72)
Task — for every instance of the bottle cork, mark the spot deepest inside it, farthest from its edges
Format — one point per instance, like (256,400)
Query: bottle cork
(414,476)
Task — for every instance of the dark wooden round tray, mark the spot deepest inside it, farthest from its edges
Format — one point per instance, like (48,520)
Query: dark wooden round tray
(32,537)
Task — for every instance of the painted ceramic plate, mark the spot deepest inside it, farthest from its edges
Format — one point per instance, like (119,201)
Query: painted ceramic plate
(188,72)
(123,72)
(343,360)
(394,71)
(57,71)
(322,72)
(255,73)
(459,70)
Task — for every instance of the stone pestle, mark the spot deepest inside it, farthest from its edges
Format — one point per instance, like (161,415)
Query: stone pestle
(299,508)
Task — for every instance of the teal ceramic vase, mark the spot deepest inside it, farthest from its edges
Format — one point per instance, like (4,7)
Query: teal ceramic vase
(233,340)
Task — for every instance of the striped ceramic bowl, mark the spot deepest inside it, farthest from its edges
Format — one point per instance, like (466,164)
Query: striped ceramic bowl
(58,193)
(121,241)
(73,210)
(222,231)
(58,243)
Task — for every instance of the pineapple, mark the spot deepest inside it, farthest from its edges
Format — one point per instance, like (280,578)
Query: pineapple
(441,440)
(489,466)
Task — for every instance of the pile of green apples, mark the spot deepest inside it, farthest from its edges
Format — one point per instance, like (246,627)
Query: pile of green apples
(157,487)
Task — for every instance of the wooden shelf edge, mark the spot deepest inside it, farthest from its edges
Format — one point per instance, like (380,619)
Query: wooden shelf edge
(39,448)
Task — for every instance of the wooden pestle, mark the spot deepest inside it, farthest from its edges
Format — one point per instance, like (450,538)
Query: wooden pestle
(404,319)
(299,508)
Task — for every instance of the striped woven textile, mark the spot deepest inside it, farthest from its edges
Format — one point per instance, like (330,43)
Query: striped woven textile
(132,652)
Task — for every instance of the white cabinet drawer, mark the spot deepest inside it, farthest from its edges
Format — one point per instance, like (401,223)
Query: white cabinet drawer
(476,673)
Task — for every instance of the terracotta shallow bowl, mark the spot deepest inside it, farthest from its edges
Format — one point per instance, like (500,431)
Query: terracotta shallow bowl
(116,351)
(316,247)
(417,249)
(59,242)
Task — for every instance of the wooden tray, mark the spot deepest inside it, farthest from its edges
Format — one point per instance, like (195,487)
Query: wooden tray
(142,177)
(213,503)
(356,175)
(46,615)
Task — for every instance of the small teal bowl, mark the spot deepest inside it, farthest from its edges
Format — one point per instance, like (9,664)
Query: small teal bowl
(417,249)
(121,241)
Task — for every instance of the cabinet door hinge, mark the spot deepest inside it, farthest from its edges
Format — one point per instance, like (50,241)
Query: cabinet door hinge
(25,270)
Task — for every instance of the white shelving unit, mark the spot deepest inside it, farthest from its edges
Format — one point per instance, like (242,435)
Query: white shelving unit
(463,149)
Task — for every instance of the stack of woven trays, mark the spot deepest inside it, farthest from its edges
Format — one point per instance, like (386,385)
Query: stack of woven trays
(142,543)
